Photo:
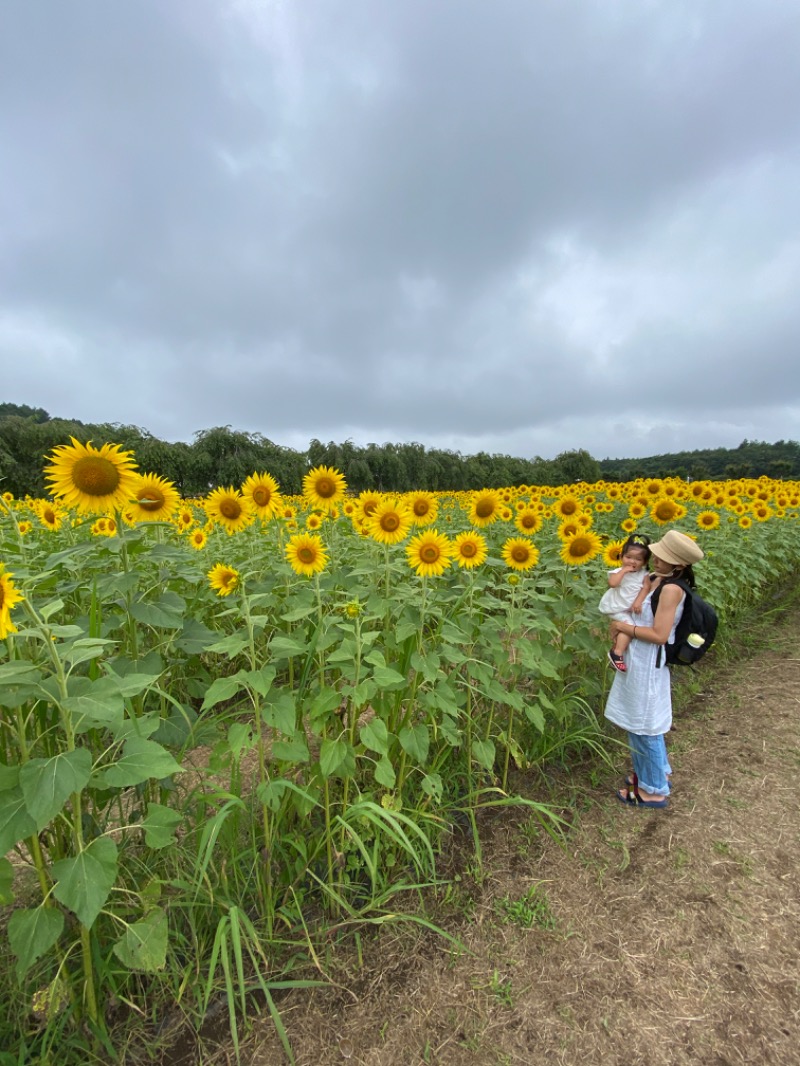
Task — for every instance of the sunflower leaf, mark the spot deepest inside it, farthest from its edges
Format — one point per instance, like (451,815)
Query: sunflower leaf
(140,761)
(83,883)
(47,783)
(144,944)
(31,933)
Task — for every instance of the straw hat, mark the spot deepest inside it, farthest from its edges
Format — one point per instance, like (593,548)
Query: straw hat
(677,548)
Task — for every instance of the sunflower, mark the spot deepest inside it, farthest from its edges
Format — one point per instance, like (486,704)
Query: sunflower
(105,527)
(92,480)
(745,521)
(528,521)
(666,510)
(306,554)
(223,578)
(762,512)
(185,519)
(636,510)
(470,549)
(367,502)
(153,499)
(581,548)
(484,507)
(612,556)
(653,488)
(708,520)
(568,529)
(424,508)
(566,506)
(262,492)
(429,553)
(314,520)
(230,509)
(50,516)
(25,527)
(9,598)
(519,553)
(198,539)
(628,525)
(324,487)
(389,522)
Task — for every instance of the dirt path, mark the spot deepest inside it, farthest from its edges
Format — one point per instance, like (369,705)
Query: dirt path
(653,938)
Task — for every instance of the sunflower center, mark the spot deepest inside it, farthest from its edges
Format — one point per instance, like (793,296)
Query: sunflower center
(429,553)
(230,509)
(469,550)
(484,509)
(370,506)
(568,507)
(579,546)
(262,496)
(421,508)
(151,500)
(325,487)
(389,523)
(306,555)
(528,520)
(95,476)
(519,553)
(48,514)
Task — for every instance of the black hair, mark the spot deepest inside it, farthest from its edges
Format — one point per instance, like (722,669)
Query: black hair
(637,540)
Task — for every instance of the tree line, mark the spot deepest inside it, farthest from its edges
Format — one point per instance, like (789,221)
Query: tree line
(223,456)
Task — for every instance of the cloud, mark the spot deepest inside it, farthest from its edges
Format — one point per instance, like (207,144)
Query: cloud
(512,227)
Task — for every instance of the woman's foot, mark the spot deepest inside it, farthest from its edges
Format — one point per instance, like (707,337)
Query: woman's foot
(636,798)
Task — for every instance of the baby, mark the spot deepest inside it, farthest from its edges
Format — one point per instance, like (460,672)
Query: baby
(627,590)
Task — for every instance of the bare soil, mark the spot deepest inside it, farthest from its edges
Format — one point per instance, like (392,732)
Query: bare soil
(648,937)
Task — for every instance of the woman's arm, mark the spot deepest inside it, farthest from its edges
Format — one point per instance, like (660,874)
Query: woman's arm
(659,631)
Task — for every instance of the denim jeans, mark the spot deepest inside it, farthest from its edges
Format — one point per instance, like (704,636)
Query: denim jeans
(650,762)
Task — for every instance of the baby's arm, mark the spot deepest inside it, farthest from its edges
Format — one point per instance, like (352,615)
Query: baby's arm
(636,606)
(616,576)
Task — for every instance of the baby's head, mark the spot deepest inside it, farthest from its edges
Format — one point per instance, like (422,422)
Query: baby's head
(635,551)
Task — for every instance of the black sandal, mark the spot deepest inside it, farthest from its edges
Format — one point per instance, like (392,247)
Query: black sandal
(617,661)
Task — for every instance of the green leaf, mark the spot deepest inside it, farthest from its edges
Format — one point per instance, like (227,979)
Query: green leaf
(224,688)
(18,681)
(47,783)
(298,613)
(294,750)
(31,933)
(84,882)
(240,738)
(94,703)
(432,786)
(165,614)
(6,881)
(195,637)
(384,772)
(144,944)
(51,608)
(336,758)
(132,684)
(375,736)
(140,760)
(160,825)
(483,753)
(15,821)
(415,741)
(535,715)
(260,681)
(281,714)
(81,651)
(9,776)
(364,691)
(386,677)
(230,646)
(282,647)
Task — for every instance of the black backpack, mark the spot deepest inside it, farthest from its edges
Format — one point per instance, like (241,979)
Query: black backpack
(699,619)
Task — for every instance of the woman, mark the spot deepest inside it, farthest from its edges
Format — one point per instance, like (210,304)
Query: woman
(640,700)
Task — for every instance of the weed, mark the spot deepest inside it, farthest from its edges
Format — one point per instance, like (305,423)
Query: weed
(531,909)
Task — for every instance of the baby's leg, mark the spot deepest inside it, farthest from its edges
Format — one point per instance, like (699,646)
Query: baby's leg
(621,643)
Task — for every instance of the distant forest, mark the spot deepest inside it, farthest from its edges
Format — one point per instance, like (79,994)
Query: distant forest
(224,456)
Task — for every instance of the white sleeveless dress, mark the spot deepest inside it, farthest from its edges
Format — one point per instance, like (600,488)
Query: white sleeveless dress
(640,699)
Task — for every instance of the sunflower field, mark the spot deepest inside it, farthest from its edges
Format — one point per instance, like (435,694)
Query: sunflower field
(233,724)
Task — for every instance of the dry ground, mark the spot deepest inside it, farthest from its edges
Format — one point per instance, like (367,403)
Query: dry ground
(652,938)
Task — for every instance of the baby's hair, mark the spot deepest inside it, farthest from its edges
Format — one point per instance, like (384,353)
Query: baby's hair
(637,540)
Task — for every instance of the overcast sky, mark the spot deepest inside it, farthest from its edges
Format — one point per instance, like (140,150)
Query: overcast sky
(517,226)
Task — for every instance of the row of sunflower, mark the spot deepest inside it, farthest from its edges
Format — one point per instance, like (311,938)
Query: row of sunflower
(354,665)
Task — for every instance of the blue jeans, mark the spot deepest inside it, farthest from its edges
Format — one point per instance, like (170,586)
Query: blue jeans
(650,763)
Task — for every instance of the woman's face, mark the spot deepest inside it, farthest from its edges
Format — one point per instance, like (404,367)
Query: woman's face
(661,567)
